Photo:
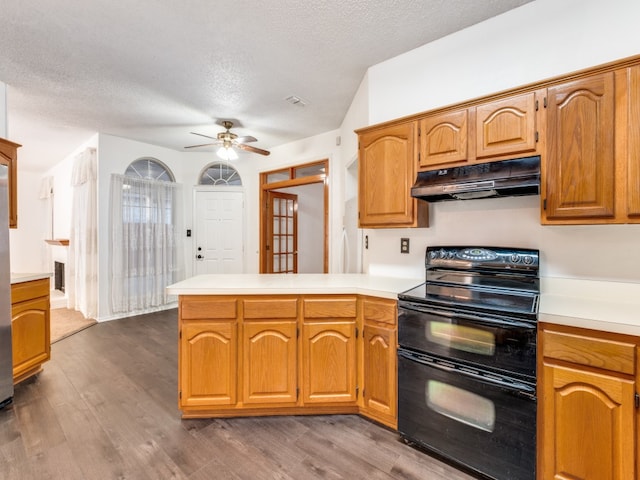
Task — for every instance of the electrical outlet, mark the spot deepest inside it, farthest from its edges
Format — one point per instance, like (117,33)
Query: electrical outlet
(404,245)
(366,242)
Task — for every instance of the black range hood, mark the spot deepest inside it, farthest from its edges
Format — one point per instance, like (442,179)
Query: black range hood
(506,178)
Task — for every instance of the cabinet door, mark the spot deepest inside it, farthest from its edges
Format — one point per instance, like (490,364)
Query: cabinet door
(387,160)
(507,127)
(579,170)
(9,157)
(329,362)
(30,333)
(444,140)
(633,137)
(208,363)
(269,362)
(588,425)
(379,376)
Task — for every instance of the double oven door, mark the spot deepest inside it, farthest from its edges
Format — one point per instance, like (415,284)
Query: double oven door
(494,342)
(467,386)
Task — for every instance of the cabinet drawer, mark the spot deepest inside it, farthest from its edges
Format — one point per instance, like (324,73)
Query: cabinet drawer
(271,308)
(203,307)
(604,353)
(383,311)
(29,290)
(330,307)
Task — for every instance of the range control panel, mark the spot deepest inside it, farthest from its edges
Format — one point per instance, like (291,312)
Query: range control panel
(465,258)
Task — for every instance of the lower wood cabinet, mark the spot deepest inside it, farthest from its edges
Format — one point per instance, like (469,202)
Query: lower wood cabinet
(30,327)
(587,405)
(284,354)
(379,368)
(208,373)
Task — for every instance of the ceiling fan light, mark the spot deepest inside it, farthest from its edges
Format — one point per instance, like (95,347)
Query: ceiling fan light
(227,154)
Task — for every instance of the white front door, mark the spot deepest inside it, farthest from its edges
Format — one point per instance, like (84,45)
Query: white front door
(219,235)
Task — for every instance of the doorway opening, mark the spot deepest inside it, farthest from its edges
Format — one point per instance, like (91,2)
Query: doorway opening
(294,219)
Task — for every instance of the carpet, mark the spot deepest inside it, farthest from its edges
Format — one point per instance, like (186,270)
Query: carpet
(65,322)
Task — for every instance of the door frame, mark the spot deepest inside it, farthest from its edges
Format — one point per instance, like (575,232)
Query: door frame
(194,234)
(292,182)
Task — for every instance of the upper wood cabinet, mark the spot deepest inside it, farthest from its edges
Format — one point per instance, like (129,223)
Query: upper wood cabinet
(387,170)
(444,139)
(579,168)
(631,180)
(9,157)
(508,127)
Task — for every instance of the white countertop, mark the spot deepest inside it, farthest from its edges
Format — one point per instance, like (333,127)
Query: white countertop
(302,283)
(595,304)
(28,277)
(599,305)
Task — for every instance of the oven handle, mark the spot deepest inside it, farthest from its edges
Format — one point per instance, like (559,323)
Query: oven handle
(445,313)
(522,389)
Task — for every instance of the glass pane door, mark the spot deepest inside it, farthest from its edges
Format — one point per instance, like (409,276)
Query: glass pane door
(284,238)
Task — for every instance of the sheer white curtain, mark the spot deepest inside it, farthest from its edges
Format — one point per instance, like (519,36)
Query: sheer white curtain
(81,284)
(145,240)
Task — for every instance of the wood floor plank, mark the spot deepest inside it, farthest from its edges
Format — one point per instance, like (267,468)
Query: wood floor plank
(105,407)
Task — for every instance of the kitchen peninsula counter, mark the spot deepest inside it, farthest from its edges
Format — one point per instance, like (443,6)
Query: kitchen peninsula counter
(301,344)
(304,283)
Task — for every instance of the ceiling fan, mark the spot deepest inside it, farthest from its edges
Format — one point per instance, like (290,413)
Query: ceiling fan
(228,141)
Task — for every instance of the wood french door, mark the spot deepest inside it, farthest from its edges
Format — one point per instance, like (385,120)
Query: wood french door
(282,232)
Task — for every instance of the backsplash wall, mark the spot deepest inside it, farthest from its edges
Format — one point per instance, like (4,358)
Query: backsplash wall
(594,252)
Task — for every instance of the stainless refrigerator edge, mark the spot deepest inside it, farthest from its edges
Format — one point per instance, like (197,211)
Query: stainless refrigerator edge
(6,359)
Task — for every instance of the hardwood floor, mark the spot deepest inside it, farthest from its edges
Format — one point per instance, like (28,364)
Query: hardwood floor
(105,407)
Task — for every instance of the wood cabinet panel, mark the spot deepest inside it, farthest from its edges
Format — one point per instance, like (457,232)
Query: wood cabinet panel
(269,362)
(31,342)
(208,363)
(30,327)
(580,163)
(336,307)
(386,172)
(444,139)
(266,308)
(600,353)
(9,157)
(588,425)
(329,362)
(633,141)
(507,127)
(207,307)
(380,310)
(379,376)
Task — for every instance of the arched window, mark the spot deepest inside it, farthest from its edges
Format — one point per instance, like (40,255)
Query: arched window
(220,174)
(149,169)
(145,236)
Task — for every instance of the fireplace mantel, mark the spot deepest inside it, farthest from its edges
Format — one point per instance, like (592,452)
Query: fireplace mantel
(58,241)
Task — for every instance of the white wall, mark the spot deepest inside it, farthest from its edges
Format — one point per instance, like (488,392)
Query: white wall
(542,39)
(309,150)
(28,250)
(3,110)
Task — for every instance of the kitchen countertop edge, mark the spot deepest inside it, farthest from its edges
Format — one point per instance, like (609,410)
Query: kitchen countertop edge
(28,277)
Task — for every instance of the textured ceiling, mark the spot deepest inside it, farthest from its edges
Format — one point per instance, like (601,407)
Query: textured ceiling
(154,70)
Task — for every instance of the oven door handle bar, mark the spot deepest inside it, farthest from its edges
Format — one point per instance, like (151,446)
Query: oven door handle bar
(520,388)
(445,313)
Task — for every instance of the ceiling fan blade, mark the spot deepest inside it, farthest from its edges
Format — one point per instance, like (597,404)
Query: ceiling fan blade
(203,145)
(249,148)
(246,139)
(203,135)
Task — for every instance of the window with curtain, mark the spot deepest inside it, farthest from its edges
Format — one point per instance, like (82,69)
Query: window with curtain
(145,237)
